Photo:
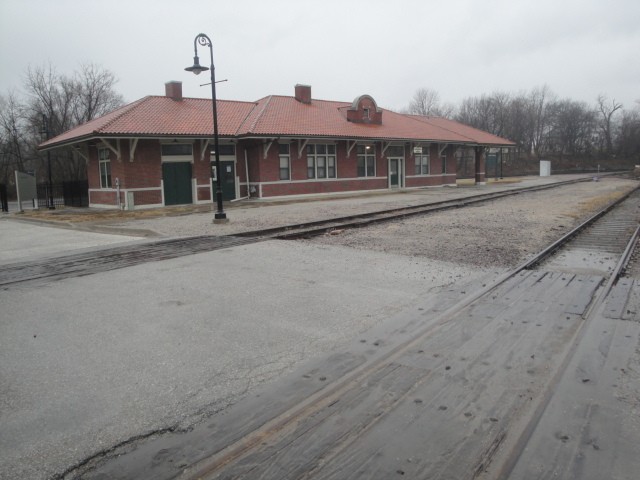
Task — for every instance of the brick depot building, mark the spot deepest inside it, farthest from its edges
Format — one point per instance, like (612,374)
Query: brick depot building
(158,150)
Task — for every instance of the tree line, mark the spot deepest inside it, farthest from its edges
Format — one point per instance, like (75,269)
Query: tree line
(545,126)
(50,104)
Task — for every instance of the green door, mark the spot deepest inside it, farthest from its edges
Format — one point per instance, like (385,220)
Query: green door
(491,164)
(228,180)
(176,177)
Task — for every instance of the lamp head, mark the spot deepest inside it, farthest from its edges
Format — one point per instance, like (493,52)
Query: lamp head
(196,67)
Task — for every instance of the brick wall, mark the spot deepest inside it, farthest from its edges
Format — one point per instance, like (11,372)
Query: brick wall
(147,197)
(204,193)
(335,186)
(146,171)
(347,180)
(103,197)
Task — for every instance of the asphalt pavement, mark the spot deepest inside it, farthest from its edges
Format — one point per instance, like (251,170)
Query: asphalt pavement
(26,241)
(92,362)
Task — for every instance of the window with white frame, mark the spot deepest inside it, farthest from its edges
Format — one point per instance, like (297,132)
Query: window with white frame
(422,164)
(321,161)
(285,161)
(366,161)
(105,168)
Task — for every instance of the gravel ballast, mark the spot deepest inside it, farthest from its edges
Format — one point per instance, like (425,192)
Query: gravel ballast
(500,233)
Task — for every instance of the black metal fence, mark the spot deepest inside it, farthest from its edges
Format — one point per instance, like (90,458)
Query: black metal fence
(70,194)
(4,201)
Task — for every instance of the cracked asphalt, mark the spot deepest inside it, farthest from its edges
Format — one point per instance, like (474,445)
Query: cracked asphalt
(93,362)
(88,363)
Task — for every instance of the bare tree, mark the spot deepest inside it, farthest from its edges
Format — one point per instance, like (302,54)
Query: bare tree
(52,95)
(628,139)
(519,122)
(13,142)
(541,125)
(487,112)
(426,102)
(607,110)
(423,102)
(475,112)
(68,101)
(96,96)
(572,128)
(540,100)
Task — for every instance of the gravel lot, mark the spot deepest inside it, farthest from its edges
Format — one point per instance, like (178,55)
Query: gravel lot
(501,233)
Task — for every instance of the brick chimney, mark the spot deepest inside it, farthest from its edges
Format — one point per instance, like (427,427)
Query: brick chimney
(303,93)
(173,90)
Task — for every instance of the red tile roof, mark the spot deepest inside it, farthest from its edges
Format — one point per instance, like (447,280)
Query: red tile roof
(478,136)
(271,116)
(285,116)
(159,117)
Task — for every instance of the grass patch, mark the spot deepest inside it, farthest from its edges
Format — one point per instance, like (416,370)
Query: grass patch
(595,204)
(69,215)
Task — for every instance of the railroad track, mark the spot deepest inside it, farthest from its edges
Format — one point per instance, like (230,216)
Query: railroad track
(310,229)
(113,258)
(596,245)
(270,449)
(373,400)
(81,264)
(632,266)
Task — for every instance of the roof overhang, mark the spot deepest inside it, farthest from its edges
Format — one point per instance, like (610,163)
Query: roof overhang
(98,136)
(95,136)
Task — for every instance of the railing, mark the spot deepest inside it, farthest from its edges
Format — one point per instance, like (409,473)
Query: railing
(69,194)
(4,201)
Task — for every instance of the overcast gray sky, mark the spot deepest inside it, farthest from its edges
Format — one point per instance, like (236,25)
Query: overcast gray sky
(342,48)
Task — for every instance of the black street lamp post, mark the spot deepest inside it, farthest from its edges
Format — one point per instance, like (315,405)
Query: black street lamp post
(204,40)
(45,131)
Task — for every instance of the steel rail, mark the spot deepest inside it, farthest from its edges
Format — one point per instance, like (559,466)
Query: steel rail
(508,465)
(112,258)
(287,420)
(319,227)
(555,246)
(626,256)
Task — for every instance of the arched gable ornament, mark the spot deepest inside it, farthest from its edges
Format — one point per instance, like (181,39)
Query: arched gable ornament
(364,109)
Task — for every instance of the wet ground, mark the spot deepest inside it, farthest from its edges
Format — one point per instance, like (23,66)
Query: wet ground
(90,363)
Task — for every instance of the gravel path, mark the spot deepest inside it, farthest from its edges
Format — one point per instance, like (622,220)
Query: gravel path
(255,215)
(501,233)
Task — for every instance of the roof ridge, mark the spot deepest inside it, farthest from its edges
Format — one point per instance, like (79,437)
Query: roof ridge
(246,117)
(203,99)
(292,97)
(260,113)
